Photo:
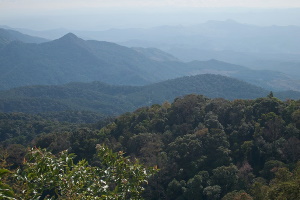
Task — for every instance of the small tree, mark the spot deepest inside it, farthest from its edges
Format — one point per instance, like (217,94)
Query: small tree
(46,176)
(270,95)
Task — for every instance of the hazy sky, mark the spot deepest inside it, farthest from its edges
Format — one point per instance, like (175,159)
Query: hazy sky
(102,14)
(68,4)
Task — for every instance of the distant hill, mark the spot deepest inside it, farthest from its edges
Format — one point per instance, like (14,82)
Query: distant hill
(72,59)
(267,79)
(7,36)
(213,86)
(114,100)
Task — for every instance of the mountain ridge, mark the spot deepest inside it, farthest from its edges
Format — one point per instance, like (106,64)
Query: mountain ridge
(114,100)
(72,59)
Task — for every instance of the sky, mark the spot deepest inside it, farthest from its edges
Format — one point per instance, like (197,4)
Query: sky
(105,14)
(73,4)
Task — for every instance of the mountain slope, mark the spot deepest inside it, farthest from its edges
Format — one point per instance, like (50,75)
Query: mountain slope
(267,79)
(72,59)
(210,85)
(113,100)
(7,36)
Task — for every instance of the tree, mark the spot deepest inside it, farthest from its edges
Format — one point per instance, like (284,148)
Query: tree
(270,167)
(83,142)
(46,176)
(196,185)
(286,184)
(237,195)
(176,189)
(270,95)
(226,177)
(212,192)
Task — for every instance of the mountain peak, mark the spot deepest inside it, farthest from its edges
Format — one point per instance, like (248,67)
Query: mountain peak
(70,36)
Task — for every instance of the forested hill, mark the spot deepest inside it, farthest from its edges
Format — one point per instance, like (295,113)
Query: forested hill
(114,100)
(214,148)
(204,148)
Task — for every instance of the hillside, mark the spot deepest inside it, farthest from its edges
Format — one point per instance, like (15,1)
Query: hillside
(114,100)
(70,59)
(213,86)
(267,79)
(213,148)
(204,149)
(7,36)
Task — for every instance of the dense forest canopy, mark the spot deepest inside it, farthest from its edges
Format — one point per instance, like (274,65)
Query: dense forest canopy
(204,148)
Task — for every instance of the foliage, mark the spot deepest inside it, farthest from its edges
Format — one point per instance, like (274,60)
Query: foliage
(6,191)
(237,195)
(285,185)
(205,148)
(46,176)
(234,143)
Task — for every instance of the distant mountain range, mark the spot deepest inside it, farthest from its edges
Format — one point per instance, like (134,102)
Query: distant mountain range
(257,47)
(215,35)
(226,35)
(71,59)
(114,100)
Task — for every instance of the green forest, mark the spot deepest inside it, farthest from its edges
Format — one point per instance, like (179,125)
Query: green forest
(193,148)
(114,100)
